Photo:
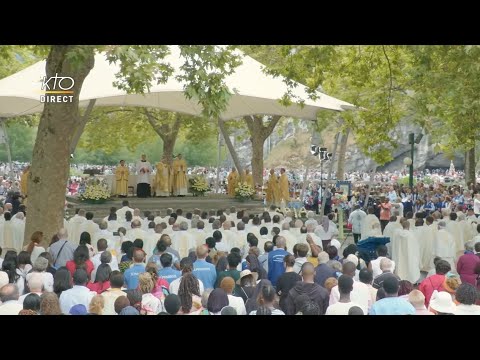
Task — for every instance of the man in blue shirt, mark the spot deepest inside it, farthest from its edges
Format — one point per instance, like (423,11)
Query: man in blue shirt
(131,275)
(167,272)
(392,304)
(203,270)
(276,260)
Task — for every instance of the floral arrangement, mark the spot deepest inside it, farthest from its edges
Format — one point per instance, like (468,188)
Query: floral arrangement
(243,191)
(96,190)
(199,185)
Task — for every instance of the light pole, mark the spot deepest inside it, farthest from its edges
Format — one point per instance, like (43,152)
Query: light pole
(412,141)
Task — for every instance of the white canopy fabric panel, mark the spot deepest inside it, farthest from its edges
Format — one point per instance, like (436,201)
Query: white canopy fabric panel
(253,92)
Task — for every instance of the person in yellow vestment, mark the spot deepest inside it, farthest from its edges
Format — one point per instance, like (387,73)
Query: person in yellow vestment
(248,178)
(284,189)
(121,177)
(232,182)
(162,178)
(179,168)
(273,191)
(24,181)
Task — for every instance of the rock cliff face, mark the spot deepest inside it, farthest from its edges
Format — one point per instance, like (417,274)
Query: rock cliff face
(356,160)
(424,156)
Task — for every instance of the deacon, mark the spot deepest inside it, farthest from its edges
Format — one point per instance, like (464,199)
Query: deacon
(232,182)
(249,178)
(179,176)
(273,191)
(144,169)
(284,190)
(121,177)
(162,178)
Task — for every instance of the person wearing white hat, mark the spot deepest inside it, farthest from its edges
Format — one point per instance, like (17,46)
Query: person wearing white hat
(441,303)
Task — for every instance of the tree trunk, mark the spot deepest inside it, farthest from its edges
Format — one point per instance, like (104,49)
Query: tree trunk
(51,154)
(257,159)
(168,146)
(258,134)
(81,125)
(168,133)
(470,167)
(341,156)
(231,149)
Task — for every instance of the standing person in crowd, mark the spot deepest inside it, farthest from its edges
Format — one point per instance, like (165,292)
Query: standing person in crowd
(79,294)
(81,260)
(315,292)
(468,265)
(287,281)
(186,265)
(356,219)
(392,304)
(34,248)
(190,295)
(342,307)
(113,293)
(276,260)
(203,270)
(267,299)
(62,250)
(434,282)
(138,267)
(466,297)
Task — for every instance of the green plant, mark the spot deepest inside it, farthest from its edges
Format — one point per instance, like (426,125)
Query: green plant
(95,190)
(243,191)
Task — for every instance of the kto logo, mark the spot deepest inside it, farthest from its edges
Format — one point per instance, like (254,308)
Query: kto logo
(57,85)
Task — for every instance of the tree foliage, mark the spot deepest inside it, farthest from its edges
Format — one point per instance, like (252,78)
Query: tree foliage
(446,82)
(370,77)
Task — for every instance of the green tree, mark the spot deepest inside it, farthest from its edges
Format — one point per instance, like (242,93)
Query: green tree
(110,129)
(203,73)
(446,82)
(371,77)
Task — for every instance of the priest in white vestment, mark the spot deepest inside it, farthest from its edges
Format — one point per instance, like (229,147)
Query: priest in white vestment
(406,254)
(183,241)
(7,231)
(121,212)
(454,228)
(444,245)
(465,227)
(18,223)
(89,226)
(369,223)
(389,230)
(74,227)
(290,238)
(425,235)
(150,243)
(136,232)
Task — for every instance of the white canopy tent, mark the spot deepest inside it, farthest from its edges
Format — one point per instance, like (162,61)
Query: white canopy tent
(254,92)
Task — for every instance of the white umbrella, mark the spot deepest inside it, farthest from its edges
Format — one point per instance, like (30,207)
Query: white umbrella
(254,92)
